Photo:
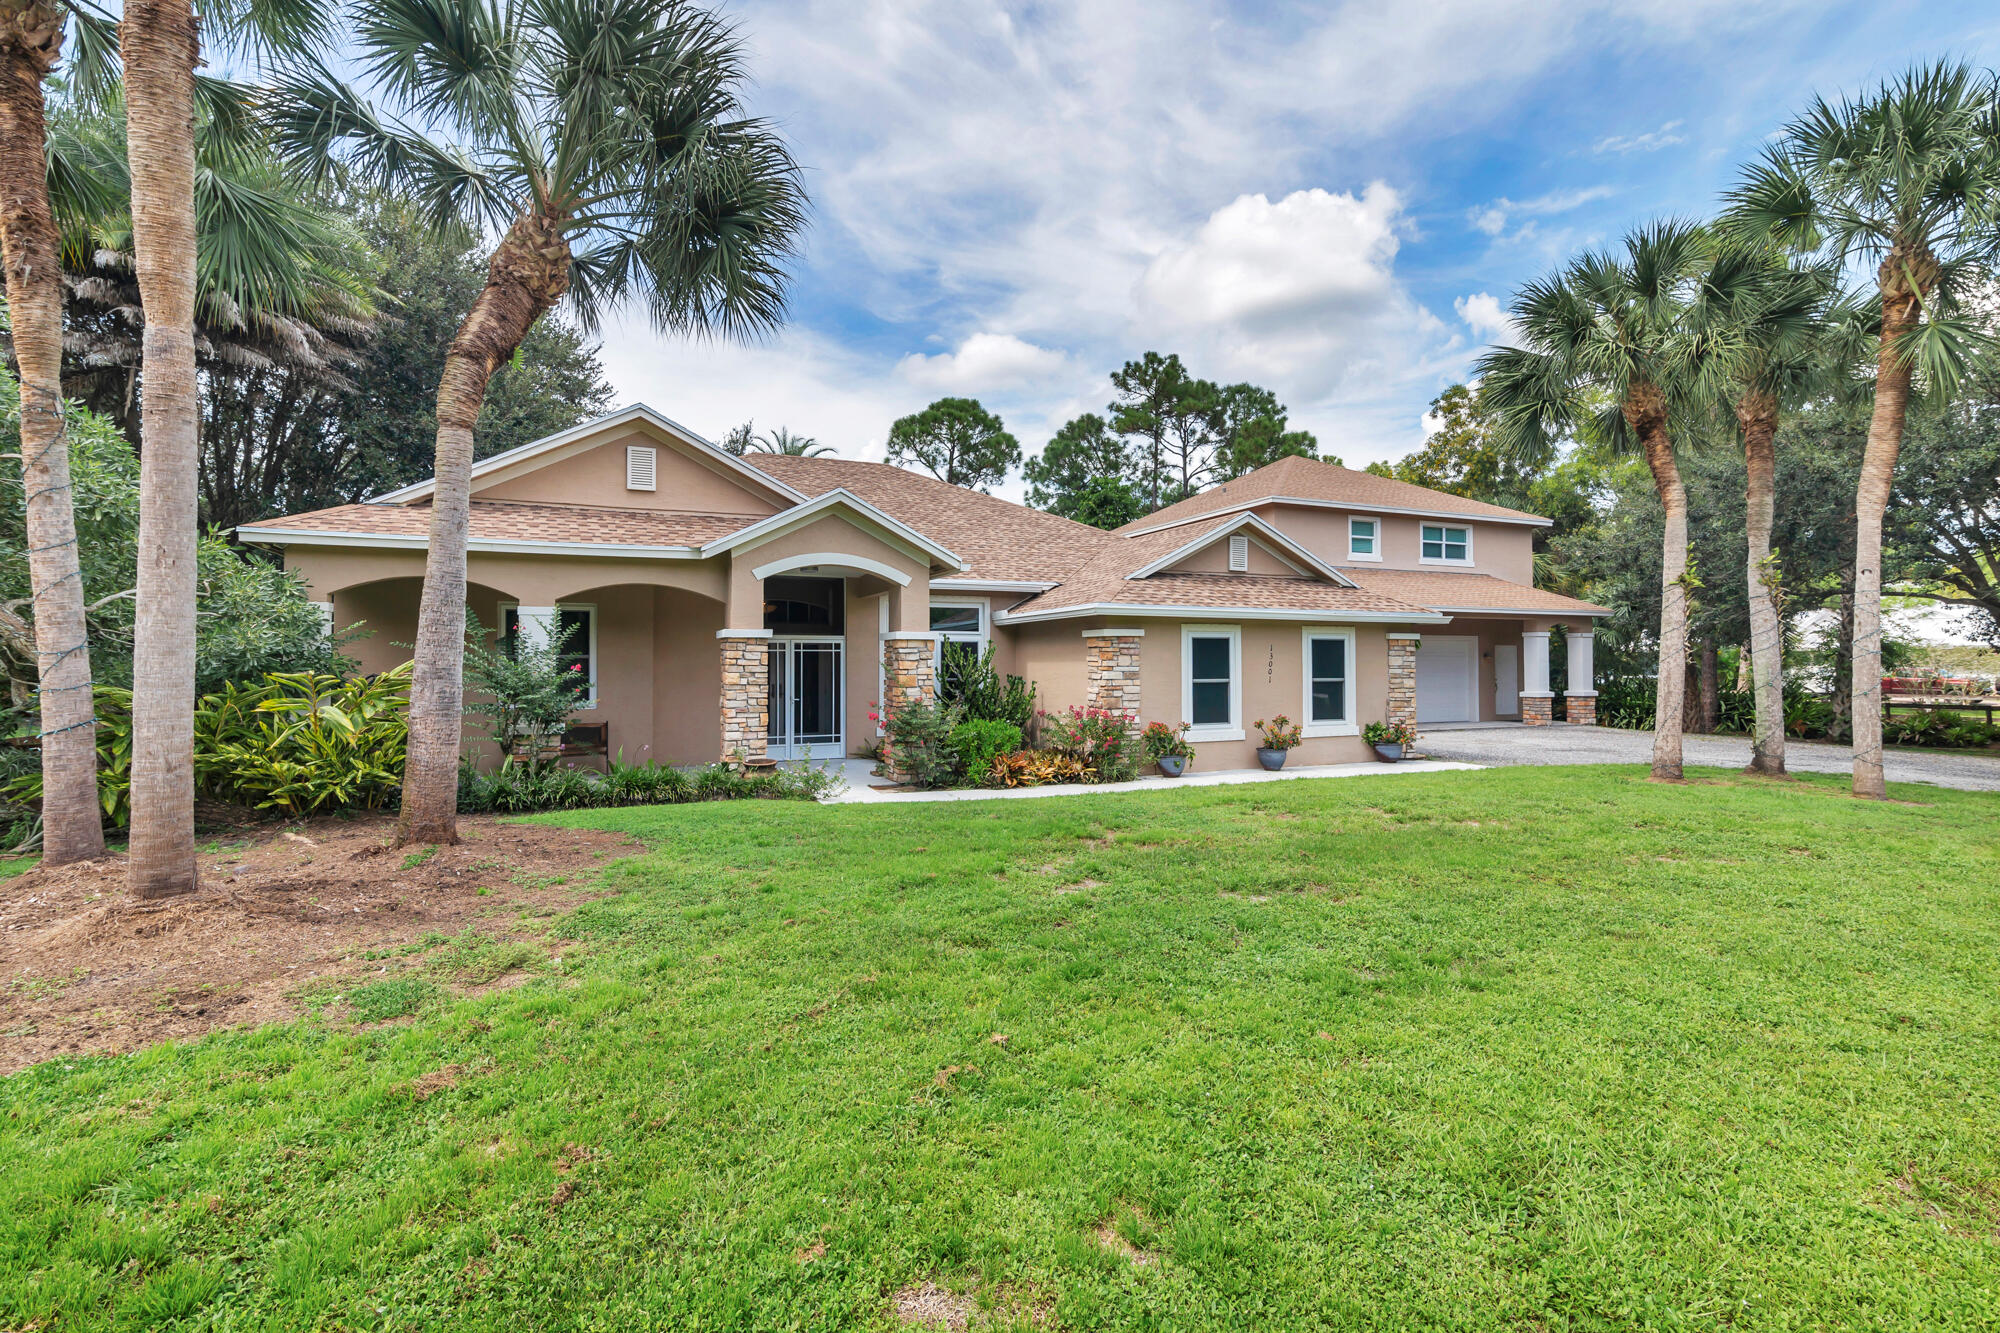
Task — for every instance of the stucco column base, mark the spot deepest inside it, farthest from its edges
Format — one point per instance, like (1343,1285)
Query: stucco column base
(1582,709)
(909,674)
(1536,709)
(746,693)
(1403,678)
(1111,665)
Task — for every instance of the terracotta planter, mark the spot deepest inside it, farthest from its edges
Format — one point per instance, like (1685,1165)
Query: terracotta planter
(1270,758)
(1171,766)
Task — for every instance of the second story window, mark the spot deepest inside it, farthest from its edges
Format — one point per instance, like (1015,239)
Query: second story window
(1447,545)
(1364,539)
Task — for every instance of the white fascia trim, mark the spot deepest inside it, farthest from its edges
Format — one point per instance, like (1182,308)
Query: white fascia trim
(1518,611)
(1456,515)
(1238,612)
(1114,632)
(743,634)
(381,541)
(990,585)
(624,416)
(1264,530)
(791,562)
(778,523)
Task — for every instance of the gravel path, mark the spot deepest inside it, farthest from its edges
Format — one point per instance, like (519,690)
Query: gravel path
(1605,745)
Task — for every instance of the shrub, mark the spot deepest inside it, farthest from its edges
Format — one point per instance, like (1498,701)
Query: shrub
(976,740)
(525,690)
(1096,737)
(919,737)
(311,742)
(518,788)
(973,686)
(1938,728)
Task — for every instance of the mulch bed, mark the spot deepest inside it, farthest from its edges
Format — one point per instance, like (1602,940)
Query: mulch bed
(278,911)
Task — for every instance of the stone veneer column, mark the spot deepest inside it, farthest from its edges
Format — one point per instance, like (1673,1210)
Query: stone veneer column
(1111,666)
(1403,676)
(909,675)
(746,692)
(1537,700)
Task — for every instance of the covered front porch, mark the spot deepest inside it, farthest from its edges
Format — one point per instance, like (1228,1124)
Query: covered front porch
(1483,669)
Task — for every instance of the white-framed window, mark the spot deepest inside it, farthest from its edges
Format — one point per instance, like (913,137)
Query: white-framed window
(1326,657)
(577,621)
(1212,682)
(960,628)
(642,468)
(1444,544)
(1364,539)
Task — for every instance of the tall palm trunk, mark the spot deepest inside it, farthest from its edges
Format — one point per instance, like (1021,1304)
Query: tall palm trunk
(160,46)
(72,828)
(1646,413)
(1903,284)
(1757,417)
(527,275)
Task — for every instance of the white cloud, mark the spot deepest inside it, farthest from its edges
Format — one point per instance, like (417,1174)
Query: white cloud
(1482,314)
(1493,218)
(983,363)
(1650,142)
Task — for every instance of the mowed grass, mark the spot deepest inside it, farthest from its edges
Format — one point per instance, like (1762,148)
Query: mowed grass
(1517,1049)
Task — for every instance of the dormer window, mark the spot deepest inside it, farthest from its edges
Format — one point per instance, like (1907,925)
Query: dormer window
(1364,539)
(1445,545)
(642,468)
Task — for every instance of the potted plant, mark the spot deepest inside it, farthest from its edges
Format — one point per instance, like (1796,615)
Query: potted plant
(1389,739)
(1281,736)
(1168,747)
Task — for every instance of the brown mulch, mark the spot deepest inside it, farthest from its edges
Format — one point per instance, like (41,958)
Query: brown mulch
(278,911)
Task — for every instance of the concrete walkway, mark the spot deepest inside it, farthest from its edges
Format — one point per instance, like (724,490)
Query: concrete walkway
(859,790)
(1608,745)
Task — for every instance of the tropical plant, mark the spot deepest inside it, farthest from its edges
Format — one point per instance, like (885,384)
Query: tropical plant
(1097,738)
(1907,177)
(1164,742)
(1040,768)
(524,685)
(1617,327)
(518,789)
(612,125)
(311,743)
(956,440)
(1280,733)
(782,441)
(969,681)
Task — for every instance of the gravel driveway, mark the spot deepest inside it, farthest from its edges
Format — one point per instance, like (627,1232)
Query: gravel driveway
(1606,745)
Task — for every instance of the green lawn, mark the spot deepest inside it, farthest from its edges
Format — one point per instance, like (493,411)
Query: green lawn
(1516,1049)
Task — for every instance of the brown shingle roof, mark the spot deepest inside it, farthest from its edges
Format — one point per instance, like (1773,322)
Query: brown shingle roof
(511,520)
(1310,479)
(1448,591)
(996,538)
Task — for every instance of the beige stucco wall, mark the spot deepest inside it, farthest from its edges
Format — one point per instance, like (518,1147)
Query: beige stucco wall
(596,476)
(1214,559)
(532,580)
(833,535)
(1504,550)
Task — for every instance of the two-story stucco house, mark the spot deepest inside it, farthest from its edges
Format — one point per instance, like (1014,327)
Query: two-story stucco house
(748,605)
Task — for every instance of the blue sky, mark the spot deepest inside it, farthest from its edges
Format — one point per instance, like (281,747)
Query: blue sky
(1332,200)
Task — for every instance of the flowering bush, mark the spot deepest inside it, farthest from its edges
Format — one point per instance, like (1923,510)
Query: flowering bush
(1165,742)
(1280,734)
(918,743)
(1389,733)
(1096,737)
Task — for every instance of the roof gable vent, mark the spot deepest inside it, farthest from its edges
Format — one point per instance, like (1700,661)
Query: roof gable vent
(1239,554)
(641,468)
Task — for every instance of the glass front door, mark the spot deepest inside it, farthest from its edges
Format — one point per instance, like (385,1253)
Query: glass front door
(806,699)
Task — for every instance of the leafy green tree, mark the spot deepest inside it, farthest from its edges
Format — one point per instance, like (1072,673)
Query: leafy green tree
(1081,474)
(607,142)
(1251,432)
(1462,455)
(956,440)
(1943,522)
(1617,325)
(1151,391)
(1906,178)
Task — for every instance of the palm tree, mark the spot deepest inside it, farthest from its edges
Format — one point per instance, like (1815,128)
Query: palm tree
(1907,178)
(160,44)
(1616,327)
(782,441)
(31,40)
(1777,321)
(614,124)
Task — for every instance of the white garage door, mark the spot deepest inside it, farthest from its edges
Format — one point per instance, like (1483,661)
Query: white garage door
(1446,668)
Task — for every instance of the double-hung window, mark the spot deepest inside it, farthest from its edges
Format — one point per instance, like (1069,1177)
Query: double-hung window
(1364,539)
(1327,655)
(960,628)
(1445,545)
(576,628)
(1212,682)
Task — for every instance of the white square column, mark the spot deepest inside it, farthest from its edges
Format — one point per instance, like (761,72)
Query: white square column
(1537,699)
